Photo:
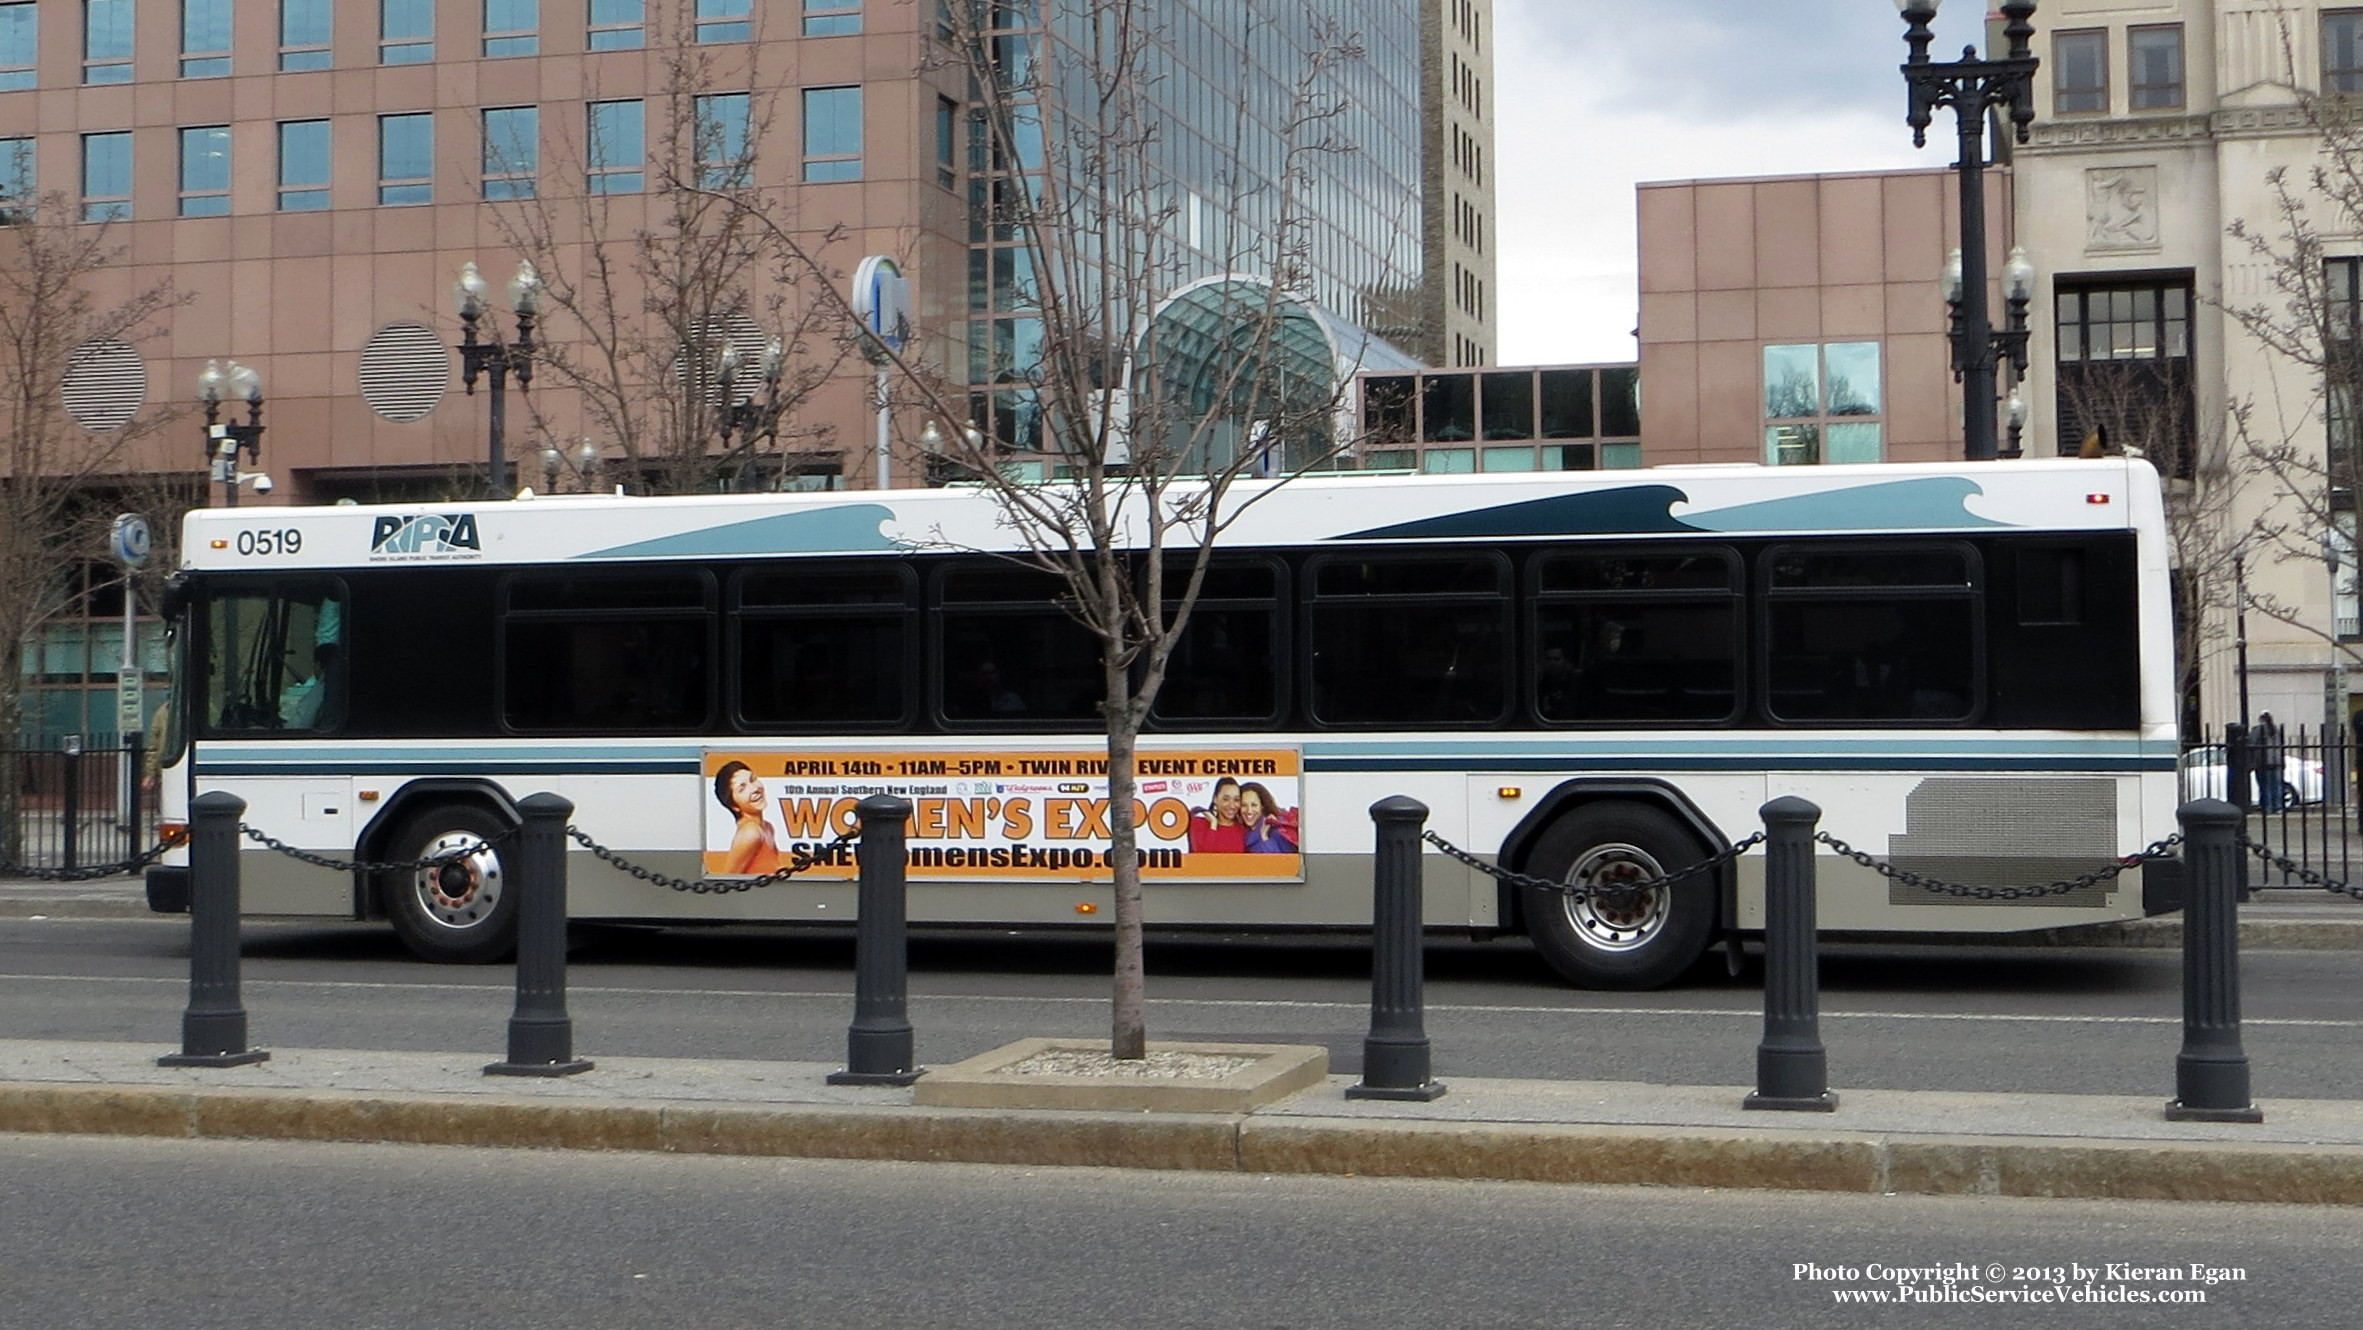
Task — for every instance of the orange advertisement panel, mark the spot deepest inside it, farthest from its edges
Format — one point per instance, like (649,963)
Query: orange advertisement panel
(1200,815)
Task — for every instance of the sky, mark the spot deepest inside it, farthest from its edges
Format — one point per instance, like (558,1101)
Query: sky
(1591,97)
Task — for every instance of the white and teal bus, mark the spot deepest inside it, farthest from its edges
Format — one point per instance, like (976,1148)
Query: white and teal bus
(1584,676)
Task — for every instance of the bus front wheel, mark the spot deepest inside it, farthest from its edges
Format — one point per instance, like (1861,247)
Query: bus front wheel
(461,911)
(1619,936)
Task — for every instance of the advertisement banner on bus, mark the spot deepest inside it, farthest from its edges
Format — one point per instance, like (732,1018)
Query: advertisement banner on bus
(1200,815)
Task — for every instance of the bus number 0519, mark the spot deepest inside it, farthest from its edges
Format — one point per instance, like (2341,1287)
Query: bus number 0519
(285,541)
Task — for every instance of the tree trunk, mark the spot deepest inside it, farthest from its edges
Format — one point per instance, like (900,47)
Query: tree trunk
(1129,1037)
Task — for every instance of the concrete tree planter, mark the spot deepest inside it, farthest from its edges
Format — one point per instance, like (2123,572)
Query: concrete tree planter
(1076,1073)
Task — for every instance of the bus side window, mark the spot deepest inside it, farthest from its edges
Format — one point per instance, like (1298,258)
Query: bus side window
(1873,633)
(605,652)
(826,647)
(1409,639)
(1637,635)
(1007,653)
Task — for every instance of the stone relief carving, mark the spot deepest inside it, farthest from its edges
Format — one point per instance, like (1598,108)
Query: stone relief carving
(2121,207)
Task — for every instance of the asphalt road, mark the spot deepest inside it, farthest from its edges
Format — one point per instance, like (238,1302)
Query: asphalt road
(269,1236)
(2068,1021)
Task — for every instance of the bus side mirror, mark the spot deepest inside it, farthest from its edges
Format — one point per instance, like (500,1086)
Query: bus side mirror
(176,598)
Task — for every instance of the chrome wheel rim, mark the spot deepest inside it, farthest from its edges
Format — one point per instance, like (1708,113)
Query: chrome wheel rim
(1617,920)
(463,893)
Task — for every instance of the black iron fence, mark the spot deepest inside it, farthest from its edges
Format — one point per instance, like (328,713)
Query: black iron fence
(2299,789)
(70,805)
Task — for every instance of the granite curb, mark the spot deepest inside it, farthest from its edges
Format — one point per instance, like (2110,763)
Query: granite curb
(1934,1143)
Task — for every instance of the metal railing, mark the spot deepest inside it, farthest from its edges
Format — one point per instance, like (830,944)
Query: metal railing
(69,806)
(2301,797)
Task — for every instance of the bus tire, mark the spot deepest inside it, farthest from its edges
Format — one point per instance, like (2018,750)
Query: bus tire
(1643,939)
(462,913)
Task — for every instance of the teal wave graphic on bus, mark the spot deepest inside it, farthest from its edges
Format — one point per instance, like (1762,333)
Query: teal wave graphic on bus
(853,528)
(1919,504)
(1926,503)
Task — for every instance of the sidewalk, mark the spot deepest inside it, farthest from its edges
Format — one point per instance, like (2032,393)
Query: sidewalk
(2306,1151)
(1539,1131)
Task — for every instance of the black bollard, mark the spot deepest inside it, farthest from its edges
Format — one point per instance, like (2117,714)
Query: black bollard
(213,1029)
(541,1034)
(1792,1070)
(2211,1071)
(878,1043)
(1395,1056)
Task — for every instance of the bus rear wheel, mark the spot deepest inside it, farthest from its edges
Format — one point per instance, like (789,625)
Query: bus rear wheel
(461,912)
(1619,937)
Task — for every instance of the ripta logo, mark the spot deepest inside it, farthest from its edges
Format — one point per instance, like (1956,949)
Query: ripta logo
(431,534)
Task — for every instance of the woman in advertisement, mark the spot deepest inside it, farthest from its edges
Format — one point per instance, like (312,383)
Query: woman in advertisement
(753,849)
(1270,829)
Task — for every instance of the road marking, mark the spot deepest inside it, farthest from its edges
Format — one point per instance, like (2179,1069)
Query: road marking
(1249,1004)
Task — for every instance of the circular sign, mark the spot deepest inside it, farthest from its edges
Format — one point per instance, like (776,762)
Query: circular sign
(131,539)
(882,301)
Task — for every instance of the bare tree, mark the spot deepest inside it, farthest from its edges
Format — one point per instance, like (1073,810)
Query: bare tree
(1154,385)
(688,334)
(2300,438)
(65,324)
(2143,409)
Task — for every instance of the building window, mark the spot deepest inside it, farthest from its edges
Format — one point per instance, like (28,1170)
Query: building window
(2342,366)
(205,39)
(830,18)
(2342,50)
(2154,77)
(106,176)
(17,181)
(1821,403)
(618,25)
(106,41)
(205,171)
(405,32)
(2124,376)
(723,21)
(512,27)
(406,158)
(303,34)
(303,165)
(512,151)
(2079,72)
(20,45)
(832,134)
(722,160)
(618,141)
(947,143)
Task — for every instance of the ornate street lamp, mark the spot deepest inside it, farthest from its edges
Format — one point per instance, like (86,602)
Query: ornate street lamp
(1972,87)
(582,464)
(225,440)
(745,424)
(498,358)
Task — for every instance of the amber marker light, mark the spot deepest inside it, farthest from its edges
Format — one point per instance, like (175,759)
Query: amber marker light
(1509,792)
(221,544)
(1086,907)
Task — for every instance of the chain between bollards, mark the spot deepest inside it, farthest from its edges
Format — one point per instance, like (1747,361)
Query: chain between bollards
(2211,1070)
(213,1028)
(541,1034)
(1395,1056)
(1792,1068)
(878,1043)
